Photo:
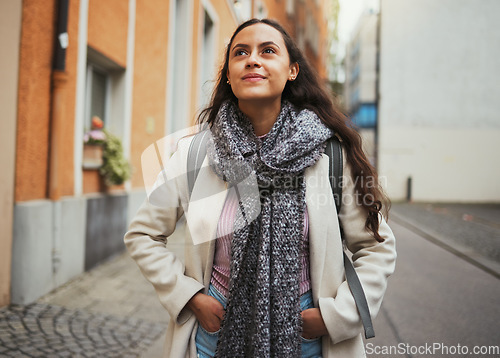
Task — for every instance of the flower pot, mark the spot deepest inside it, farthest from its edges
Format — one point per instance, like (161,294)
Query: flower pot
(92,156)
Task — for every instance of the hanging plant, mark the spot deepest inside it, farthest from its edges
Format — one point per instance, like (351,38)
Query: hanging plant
(115,168)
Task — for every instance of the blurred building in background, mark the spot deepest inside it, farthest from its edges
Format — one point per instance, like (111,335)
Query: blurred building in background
(360,86)
(146,68)
(421,85)
(439,113)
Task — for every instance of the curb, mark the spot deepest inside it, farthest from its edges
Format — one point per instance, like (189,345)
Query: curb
(464,252)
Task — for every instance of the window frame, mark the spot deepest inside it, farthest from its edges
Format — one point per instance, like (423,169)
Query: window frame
(91,68)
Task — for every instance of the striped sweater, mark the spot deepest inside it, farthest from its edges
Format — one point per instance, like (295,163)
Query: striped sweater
(221,265)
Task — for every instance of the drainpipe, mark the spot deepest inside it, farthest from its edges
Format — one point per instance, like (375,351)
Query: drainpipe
(58,101)
(57,130)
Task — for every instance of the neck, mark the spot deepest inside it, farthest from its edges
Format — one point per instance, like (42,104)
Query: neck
(261,115)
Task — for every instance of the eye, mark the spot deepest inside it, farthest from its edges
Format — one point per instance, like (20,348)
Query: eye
(269,50)
(239,52)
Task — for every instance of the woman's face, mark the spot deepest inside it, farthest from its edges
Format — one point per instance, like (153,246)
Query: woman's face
(259,65)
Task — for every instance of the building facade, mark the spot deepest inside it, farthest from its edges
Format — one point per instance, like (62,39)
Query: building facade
(361,71)
(146,69)
(439,110)
(360,86)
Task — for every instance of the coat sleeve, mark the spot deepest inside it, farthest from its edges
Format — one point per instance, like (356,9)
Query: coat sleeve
(373,261)
(147,237)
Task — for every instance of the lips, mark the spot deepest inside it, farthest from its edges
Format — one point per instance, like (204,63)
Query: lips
(253,77)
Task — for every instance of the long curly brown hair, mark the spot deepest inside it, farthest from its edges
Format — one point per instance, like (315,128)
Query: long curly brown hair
(307,92)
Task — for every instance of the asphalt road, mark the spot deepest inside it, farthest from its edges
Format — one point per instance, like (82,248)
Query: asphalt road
(436,305)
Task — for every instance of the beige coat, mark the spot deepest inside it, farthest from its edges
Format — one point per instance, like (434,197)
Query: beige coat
(176,283)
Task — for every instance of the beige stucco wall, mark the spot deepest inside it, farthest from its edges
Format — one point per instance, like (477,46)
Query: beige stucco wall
(439,111)
(10,35)
(445,164)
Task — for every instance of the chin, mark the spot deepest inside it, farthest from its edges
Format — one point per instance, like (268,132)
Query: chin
(258,101)
(256,97)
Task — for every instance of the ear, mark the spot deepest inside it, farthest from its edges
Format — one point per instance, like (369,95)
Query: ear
(294,71)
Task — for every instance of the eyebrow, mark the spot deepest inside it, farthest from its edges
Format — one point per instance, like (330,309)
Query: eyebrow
(267,43)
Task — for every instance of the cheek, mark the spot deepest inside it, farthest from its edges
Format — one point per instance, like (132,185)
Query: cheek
(231,69)
(282,75)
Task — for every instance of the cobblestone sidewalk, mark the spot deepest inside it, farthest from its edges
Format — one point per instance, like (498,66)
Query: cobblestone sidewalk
(43,330)
(110,311)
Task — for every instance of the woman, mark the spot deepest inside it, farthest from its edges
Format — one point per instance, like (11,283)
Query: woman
(263,273)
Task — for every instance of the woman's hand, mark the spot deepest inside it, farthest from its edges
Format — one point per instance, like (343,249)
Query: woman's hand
(313,325)
(208,311)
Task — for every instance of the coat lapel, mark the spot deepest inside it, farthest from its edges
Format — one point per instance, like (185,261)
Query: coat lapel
(203,212)
(318,201)
(205,205)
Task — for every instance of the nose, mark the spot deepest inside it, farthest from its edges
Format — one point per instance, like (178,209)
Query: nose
(253,60)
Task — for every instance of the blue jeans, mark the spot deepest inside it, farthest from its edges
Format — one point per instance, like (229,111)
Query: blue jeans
(206,342)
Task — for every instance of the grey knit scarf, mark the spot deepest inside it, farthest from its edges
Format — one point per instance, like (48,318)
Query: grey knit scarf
(262,317)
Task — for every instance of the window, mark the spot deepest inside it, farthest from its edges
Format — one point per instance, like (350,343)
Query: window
(290,8)
(366,116)
(208,55)
(242,9)
(312,34)
(105,93)
(98,88)
(180,66)
(260,10)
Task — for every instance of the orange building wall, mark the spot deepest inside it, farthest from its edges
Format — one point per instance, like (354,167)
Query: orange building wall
(277,11)
(195,60)
(107,28)
(66,156)
(91,181)
(150,75)
(323,32)
(34,101)
(317,60)
(35,67)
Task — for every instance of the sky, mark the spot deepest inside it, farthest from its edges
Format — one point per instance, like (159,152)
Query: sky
(350,11)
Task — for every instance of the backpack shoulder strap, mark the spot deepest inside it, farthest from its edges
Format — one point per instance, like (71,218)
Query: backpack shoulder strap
(334,151)
(196,154)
